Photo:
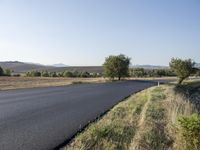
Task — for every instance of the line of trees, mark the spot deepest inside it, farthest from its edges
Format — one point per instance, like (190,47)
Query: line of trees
(71,74)
(118,67)
(141,72)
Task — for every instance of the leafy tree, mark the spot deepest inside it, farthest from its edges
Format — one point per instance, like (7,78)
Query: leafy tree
(33,74)
(68,74)
(76,74)
(182,68)
(1,71)
(45,74)
(138,72)
(7,72)
(53,74)
(85,74)
(116,66)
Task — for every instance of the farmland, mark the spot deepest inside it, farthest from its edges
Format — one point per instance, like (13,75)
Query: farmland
(32,82)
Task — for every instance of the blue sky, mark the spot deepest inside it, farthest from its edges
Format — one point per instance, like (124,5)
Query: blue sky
(84,32)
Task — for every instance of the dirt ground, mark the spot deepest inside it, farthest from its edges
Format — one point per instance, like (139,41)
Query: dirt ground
(30,82)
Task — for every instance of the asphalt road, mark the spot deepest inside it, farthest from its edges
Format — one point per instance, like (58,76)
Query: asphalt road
(43,118)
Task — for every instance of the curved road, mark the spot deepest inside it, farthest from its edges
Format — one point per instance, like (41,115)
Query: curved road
(43,118)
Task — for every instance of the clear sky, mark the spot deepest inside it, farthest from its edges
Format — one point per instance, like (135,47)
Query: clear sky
(84,32)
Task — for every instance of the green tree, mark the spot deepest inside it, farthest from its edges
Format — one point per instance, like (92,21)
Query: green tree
(138,72)
(182,68)
(85,74)
(1,71)
(7,72)
(53,74)
(68,74)
(45,74)
(116,66)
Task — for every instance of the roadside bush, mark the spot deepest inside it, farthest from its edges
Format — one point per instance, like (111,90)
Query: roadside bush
(190,129)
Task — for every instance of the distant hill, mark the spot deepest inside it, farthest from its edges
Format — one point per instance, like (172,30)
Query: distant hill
(150,67)
(21,67)
(60,65)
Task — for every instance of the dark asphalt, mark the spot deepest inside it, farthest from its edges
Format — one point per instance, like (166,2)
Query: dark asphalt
(43,118)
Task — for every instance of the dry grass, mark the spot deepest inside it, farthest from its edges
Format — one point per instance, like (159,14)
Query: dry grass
(152,132)
(115,130)
(31,82)
(182,101)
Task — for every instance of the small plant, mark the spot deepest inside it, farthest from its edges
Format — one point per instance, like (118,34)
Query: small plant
(190,129)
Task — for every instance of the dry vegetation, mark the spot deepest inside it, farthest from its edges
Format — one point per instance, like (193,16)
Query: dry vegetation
(30,82)
(150,120)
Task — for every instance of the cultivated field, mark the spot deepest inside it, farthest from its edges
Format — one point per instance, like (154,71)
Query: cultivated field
(30,82)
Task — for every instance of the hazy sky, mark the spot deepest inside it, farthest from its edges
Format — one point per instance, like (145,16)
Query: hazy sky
(84,32)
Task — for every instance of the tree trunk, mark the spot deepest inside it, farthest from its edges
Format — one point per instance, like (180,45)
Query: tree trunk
(119,78)
(180,80)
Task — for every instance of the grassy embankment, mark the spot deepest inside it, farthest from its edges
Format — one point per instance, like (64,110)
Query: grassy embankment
(152,119)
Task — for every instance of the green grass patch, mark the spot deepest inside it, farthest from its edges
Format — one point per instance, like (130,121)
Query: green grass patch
(190,131)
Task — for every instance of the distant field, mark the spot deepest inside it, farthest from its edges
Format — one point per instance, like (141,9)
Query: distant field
(30,82)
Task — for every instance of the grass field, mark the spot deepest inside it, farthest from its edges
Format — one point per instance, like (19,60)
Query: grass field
(147,120)
(30,82)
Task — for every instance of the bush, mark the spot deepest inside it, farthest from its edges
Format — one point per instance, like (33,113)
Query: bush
(190,129)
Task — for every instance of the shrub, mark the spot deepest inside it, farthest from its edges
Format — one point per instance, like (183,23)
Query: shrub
(190,129)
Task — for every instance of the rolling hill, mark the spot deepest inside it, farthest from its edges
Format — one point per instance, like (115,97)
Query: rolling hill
(21,67)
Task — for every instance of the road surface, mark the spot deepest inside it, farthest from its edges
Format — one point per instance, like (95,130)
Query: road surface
(44,118)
